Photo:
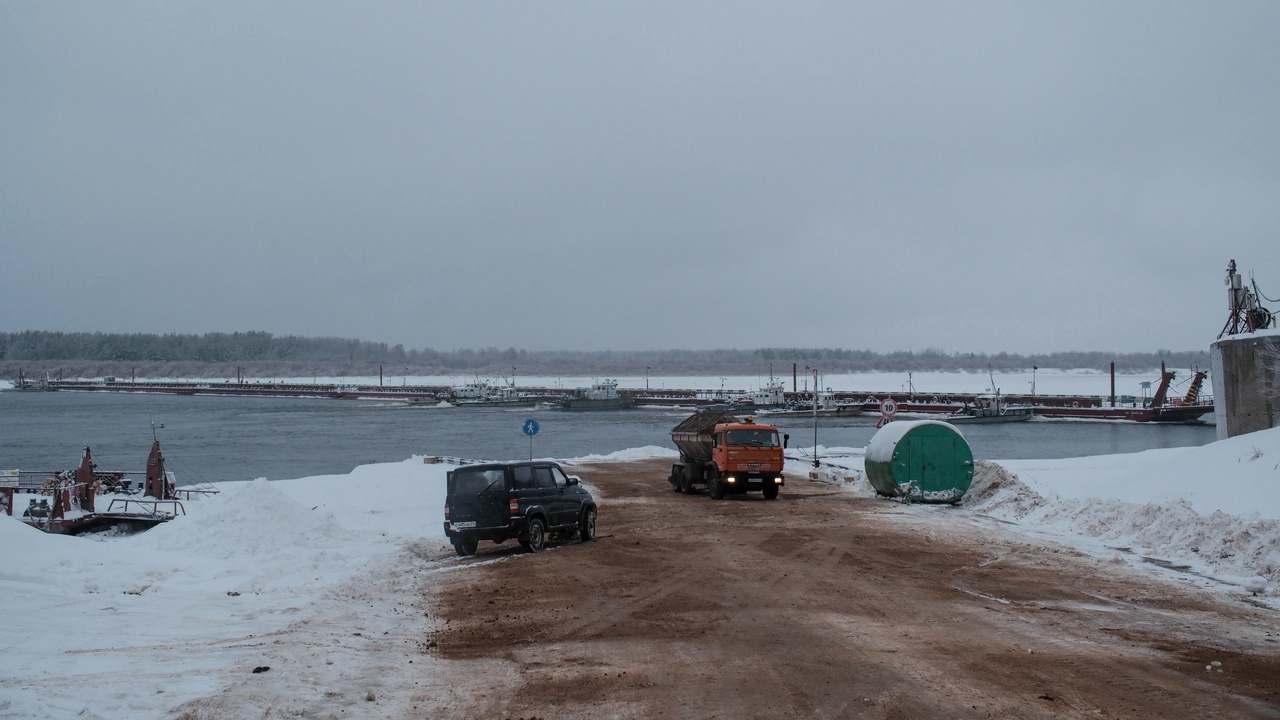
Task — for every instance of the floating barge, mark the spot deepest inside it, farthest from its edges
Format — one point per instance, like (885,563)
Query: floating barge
(1160,408)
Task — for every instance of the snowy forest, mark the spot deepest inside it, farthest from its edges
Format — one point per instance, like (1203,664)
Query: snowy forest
(268,355)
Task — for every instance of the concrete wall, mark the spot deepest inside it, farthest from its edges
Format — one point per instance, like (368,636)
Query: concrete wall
(1246,383)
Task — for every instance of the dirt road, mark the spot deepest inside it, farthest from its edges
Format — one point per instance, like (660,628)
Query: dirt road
(825,605)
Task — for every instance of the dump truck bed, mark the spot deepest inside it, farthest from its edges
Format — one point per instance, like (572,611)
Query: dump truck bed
(693,435)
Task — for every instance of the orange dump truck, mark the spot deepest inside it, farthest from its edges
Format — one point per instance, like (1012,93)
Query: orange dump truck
(727,456)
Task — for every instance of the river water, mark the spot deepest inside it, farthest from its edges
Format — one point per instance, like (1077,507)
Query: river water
(213,439)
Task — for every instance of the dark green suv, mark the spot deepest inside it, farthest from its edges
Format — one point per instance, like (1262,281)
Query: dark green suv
(528,501)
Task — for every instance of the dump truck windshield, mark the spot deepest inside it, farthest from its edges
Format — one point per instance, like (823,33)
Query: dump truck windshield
(752,438)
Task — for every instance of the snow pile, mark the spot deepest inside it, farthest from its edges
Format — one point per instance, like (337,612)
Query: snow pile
(836,475)
(292,575)
(799,457)
(997,492)
(841,466)
(648,452)
(247,520)
(1212,510)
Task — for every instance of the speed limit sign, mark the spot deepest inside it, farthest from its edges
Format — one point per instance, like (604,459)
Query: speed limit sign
(888,408)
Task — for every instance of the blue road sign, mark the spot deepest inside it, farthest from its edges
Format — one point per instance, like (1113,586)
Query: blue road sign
(530,427)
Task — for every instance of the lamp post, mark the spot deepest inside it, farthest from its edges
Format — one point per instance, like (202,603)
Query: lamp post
(646,378)
(404,382)
(1033,380)
(815,417)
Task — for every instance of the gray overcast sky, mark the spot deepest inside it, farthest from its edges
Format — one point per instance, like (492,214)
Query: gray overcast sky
(968,176)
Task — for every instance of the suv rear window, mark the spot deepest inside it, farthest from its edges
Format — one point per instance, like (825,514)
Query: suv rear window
(472,482)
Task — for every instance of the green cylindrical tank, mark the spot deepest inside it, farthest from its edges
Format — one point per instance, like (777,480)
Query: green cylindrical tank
(922,461)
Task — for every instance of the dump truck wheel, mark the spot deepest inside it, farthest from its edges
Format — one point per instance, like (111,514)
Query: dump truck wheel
(686,482)
(771,491)
(715,486)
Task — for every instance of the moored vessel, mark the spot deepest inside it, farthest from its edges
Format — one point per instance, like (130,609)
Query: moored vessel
(602,395)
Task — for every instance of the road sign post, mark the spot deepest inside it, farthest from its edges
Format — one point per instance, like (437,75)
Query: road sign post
(530,429)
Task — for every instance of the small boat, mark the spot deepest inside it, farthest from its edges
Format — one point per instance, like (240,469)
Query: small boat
(988,409)
(602,395)
(838,410)
(770,397)
(828,407)
(25,383)
(485,394)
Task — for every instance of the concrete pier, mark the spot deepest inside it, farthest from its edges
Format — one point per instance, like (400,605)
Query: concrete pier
(1246,382)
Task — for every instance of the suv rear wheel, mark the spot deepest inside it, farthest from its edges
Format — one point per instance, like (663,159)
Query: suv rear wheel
(535,537)
(587,526)
(465,545)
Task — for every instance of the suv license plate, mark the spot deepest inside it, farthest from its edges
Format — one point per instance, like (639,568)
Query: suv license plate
(464,525)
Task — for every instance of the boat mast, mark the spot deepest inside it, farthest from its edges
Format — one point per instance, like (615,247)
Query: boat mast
(995,391)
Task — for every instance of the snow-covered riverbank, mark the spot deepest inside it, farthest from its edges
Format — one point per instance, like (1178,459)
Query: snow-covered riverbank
(320,578)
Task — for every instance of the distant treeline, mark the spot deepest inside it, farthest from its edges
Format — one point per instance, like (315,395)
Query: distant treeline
(266,355)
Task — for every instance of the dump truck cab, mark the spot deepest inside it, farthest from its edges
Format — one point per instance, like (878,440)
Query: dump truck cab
(746,448)
(727,455)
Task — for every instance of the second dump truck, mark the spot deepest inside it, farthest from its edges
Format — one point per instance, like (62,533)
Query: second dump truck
(727,455)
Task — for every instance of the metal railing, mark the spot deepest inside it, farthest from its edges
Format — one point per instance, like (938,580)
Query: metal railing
(148,507)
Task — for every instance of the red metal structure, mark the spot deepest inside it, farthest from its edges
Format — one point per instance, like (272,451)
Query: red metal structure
(85,491)
(157,484)
(75,493)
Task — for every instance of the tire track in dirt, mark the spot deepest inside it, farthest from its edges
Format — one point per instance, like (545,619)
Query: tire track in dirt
(830,606)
